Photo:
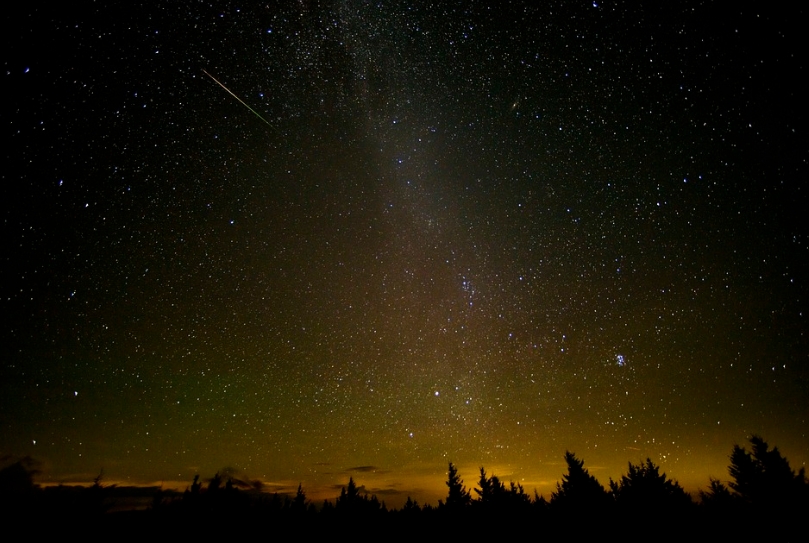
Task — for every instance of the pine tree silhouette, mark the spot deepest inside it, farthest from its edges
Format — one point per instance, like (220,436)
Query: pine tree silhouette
(579,490)
(495,498)
(458,496)
(491,489)
(350,500)
(718,498)
(764,479)
(644,488)
(298,506)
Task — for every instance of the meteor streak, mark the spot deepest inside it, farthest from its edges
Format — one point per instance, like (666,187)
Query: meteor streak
(239,99)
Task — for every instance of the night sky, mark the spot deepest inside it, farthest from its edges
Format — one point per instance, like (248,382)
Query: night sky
(307,240)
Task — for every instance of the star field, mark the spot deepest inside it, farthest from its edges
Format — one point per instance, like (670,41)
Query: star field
(475,232)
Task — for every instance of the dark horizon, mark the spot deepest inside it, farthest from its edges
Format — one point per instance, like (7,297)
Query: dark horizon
(763,493)
(125,495)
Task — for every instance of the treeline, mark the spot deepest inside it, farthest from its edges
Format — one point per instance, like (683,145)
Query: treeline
(763,492)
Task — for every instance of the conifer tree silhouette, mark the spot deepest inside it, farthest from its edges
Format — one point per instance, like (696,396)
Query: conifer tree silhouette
(763,478)
(196,486)
(491,489)
(578,490)
(215,483)
(498,499)
(644,488)
(458,496)
(718,498)
(411,506)
(17,488)
(299,502)
(350,498)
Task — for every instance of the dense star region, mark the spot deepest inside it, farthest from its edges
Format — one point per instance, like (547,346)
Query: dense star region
(308,240)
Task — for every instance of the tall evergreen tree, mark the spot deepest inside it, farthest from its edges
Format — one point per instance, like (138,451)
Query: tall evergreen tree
(764,478)
(458,496)
(350,498)
(490,488)
(298,505)
(578,490)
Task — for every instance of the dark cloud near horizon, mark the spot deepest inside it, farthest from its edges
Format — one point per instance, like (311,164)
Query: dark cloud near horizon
(365,469)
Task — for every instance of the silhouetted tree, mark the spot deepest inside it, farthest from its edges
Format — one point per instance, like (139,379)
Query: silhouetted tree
(374,505)
(215,483)
(17,479)
(17,488)
(539,505)
(718,498)
(298,506)
(644,488)
(458,496)
(518,500)
(350,501)
(196,486)
(579,491)
(95,497)
(763,478)
(411,506)
(498,499)
(491,489)
(348,495)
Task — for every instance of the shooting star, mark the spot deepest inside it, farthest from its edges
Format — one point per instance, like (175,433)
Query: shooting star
(239,99)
